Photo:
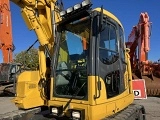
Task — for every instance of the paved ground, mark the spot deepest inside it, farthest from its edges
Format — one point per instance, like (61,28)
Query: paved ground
(152,107)
(151,104)
(6,105)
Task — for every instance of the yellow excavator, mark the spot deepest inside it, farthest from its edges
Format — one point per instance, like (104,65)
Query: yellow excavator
(84,67)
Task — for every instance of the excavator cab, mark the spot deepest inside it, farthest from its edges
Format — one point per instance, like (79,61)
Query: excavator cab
(91,75)
(8,72)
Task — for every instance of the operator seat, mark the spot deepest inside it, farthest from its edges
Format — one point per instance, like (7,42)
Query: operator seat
(61,79)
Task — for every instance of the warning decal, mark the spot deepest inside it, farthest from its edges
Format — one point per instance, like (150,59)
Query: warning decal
(139,89)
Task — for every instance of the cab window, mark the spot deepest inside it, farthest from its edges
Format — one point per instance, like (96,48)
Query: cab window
(108,49)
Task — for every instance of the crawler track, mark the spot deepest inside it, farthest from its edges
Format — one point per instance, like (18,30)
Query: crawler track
(133,112)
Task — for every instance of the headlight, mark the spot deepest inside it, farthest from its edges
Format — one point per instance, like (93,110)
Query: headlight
(56,110)
(85,3)
(62,13)
(77,6)
(76,115)
(69,10)
(82,6)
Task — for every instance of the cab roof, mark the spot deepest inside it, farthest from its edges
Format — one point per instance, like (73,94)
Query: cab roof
(107,13)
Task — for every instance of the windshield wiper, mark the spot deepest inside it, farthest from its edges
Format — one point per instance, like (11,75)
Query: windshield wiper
(73,96)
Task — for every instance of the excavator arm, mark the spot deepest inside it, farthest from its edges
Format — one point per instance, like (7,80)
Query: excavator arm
(6,44)
(138,42)
(37,15)
(40,16)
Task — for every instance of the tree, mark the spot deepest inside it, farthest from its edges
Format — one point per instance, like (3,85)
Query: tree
(29,59)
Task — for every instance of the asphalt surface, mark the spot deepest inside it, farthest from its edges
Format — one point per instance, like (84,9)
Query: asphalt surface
(151,104)
(152,107)
(6,105)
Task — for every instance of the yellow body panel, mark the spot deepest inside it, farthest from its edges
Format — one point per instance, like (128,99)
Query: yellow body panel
(96,112)
(96,109)
(28,90)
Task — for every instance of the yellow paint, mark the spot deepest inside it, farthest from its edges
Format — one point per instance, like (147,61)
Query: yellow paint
(28,90)
(109,14)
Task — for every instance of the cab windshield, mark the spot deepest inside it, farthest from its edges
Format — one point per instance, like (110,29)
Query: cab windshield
(71,70)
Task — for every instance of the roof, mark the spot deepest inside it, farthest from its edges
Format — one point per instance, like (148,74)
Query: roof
(110,15)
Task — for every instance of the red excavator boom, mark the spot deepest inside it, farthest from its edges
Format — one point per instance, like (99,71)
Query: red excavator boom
(8,69)
(6,44)
(139,44)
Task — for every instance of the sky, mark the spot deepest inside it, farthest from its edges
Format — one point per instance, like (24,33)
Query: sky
(127,11)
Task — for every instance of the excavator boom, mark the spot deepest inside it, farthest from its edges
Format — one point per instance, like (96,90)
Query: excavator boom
(6,41)
(139,45)
(40,16)
(7,67)
(138,42)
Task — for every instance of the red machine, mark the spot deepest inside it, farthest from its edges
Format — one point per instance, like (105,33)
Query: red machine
(8,69)
(6,44)
(139,44)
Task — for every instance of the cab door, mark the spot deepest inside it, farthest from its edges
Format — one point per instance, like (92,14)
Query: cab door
(109,60)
